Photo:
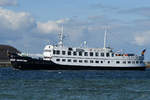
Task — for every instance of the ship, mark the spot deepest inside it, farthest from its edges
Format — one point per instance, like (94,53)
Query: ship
(60,57)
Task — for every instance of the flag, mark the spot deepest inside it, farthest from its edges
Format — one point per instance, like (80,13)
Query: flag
(143,52)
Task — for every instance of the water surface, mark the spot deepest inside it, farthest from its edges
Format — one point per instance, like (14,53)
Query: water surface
(74,85)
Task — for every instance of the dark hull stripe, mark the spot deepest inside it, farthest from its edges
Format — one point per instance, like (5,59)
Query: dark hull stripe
(52,66)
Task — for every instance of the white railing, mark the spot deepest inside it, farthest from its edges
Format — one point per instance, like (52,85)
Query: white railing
(32,55)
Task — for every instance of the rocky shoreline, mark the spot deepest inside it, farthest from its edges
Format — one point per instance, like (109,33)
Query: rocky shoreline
(5,64)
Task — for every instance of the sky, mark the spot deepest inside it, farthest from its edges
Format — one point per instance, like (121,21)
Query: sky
(29,25)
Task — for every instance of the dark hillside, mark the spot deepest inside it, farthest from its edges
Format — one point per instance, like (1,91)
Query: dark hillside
(3,51)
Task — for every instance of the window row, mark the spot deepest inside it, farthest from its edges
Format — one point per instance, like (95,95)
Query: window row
(97,61)
(80,61)
(129,62)
(74,53)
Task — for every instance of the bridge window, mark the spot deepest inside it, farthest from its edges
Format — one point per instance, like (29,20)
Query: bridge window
(101,61)
(102,54)
(74,53)
(69,52)
(85,53)
(96,54)
(137,62)
(57,52)
(70,49)
(108,62)
(107,55)
(54,51)
(112,54)
(80,53)
(91,53)
(63,52)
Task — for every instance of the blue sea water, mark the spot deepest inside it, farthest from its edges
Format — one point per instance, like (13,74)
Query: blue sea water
(74,85)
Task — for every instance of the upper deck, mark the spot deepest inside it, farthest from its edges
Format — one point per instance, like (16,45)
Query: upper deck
(103,53)
(83,56)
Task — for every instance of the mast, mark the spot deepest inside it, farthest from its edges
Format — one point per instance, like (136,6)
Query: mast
(61,37)
(85,44)
(105,37)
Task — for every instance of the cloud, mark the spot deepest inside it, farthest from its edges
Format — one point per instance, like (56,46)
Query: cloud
(15,21)
(142,39)
(51,27)
(104,7)
(73,28)
(47,27)
(8,2)
(143,11)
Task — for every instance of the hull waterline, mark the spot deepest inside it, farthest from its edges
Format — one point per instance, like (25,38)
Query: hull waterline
(42,65)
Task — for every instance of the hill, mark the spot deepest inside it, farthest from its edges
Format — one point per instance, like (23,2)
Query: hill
(3,52)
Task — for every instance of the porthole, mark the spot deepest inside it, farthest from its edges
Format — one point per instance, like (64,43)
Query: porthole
(74,60)
(69,60)
(96,61)
(80,61)
(57,59)
(117,62)
(63,60)
(86,61)
(91,61)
